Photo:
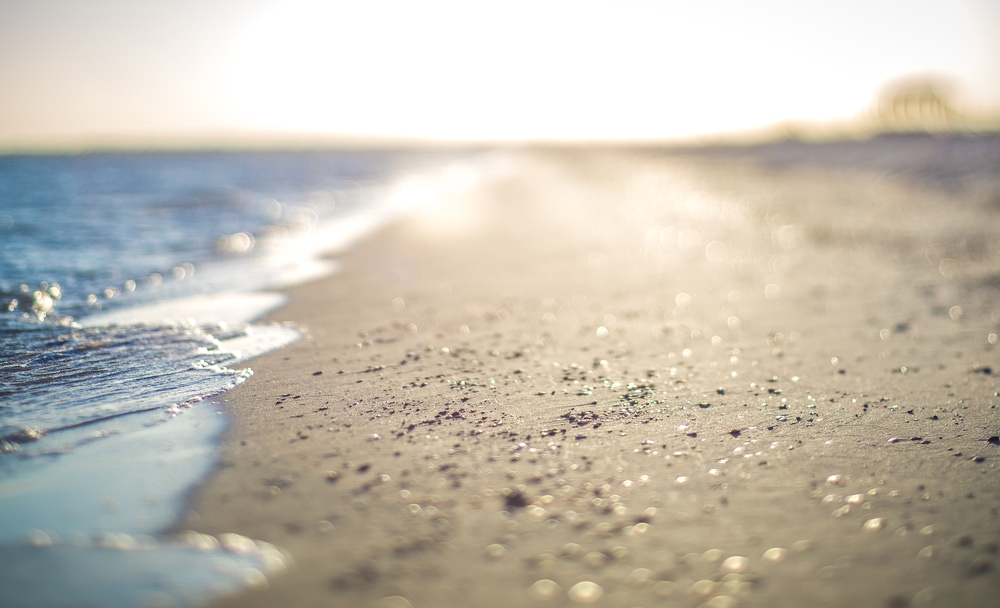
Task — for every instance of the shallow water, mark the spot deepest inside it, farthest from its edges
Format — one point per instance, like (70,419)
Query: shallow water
(83,235)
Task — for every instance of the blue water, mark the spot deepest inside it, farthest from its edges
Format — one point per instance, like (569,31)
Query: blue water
(83,234)
(129,289)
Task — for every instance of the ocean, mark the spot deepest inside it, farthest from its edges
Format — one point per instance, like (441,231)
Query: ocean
(131,285)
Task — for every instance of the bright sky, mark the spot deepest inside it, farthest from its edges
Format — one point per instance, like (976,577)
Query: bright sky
(76,70)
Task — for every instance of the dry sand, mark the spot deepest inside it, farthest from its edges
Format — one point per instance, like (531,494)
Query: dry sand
(638,380)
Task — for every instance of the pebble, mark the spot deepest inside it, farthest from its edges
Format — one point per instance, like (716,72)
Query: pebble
(736,563)
(664,588)
(775,555)
(595,560)
(640,577)
(713,556)
(496,551)
(572,551)
(874,524)
(720,601)
(585,592)
(544,589)
(704,588)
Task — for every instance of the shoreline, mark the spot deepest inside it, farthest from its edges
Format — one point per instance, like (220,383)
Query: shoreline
(576,382)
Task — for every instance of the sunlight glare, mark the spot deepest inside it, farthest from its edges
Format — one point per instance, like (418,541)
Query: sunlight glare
(445,70)
(560,69)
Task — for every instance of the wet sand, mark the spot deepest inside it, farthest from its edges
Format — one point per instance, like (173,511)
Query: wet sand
(637,379)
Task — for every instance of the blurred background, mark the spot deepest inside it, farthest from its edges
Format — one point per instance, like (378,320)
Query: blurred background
(264,72)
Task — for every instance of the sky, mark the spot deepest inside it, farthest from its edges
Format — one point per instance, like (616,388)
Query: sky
(75,72)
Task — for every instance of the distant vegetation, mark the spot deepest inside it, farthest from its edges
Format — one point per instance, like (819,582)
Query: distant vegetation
(909,106)
(925,105)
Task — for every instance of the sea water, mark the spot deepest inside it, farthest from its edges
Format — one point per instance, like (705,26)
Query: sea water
(130,286)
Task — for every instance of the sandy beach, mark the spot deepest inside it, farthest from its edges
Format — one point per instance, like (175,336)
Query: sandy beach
(633,378)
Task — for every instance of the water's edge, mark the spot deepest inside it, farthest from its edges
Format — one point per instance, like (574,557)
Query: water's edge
(96,506)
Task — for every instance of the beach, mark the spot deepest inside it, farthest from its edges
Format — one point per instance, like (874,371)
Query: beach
(627,377)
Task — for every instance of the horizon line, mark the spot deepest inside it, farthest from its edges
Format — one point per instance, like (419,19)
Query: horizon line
(249,141)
